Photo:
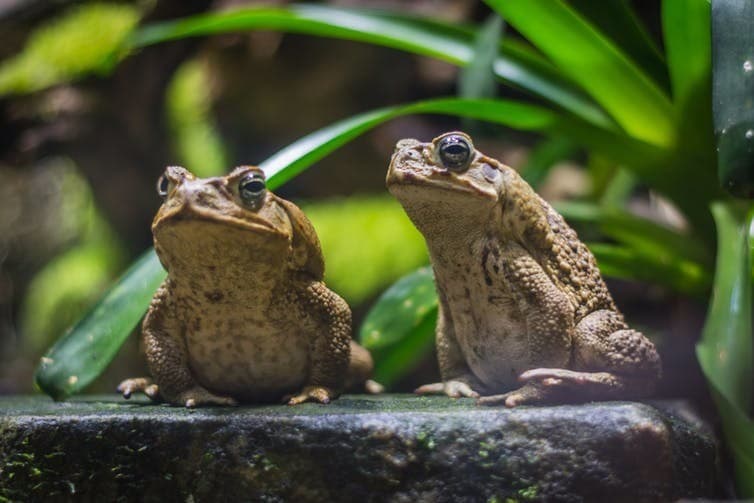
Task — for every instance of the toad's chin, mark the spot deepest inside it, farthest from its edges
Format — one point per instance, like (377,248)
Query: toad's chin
(217,243)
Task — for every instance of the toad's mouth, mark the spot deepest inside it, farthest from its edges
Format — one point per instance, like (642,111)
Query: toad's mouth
(401,178)
(188,214)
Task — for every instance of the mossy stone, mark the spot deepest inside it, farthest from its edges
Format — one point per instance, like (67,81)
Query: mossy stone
(359,448)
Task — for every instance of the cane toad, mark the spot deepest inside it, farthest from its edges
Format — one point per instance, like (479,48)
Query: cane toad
(243,314)
(524,315)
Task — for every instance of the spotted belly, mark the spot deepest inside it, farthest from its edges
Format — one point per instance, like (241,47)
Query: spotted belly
(253,363)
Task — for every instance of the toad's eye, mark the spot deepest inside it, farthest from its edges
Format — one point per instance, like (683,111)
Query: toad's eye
(252,189)
(455,152)
(163,186)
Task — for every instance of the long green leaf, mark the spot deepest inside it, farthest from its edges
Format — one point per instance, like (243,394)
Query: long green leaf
(617,21)
(593,61)
(628,263)
(726,345)
(637,232)
(290,161)
(443,41)
(86,350)
(686,29)
(725,350)
(477,79)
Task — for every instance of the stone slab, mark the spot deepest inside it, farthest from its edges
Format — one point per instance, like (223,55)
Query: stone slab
(357,449)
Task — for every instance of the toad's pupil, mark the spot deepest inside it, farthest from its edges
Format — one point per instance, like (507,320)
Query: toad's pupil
(456,149)
(253,187)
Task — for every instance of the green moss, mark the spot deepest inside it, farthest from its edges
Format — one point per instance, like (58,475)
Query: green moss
(84,40)
(528,493)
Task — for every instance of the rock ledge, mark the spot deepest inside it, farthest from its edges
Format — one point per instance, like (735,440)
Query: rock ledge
(360,448)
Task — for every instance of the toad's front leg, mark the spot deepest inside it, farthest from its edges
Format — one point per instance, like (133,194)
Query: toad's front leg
(457,379)
(168,360)
(329,347)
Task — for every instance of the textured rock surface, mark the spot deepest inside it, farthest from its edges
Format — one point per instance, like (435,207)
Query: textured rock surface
(386,448)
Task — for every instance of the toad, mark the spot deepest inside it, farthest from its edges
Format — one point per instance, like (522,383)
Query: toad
(243,315)
(524,314)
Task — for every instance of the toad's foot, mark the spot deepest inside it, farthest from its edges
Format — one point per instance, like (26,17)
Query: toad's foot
(566,386)
(453,388)
(529,393)
(311,394)
(197,396)
(139,385)
(589,385)
(373,387)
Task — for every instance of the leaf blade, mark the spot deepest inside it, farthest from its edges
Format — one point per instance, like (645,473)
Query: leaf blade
(431,38)
(400,324)
(725,349)
(82,353)
(580,52)
(726,337)
(477,79)
(617,21)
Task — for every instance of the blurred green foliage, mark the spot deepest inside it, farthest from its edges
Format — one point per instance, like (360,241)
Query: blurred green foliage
(62,291)
(189,112)
(85,39)
(368,242)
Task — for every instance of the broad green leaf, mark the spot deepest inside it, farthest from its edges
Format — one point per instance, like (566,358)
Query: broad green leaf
(726,346)
(733,89)
(432,38)
(86,350)
(725,350)
(617,21)
(400,309)
(396,361)
(596,63)
(400,326)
